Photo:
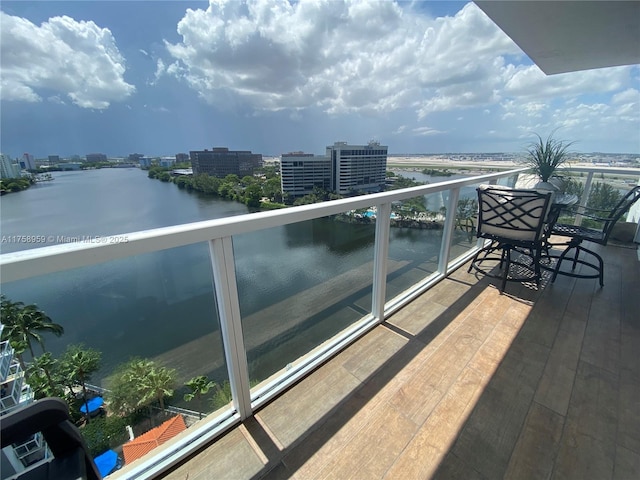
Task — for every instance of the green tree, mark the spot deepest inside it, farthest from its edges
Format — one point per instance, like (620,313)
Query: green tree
(158,383)
(222,396)
(199,386)
(25,323)
(43,374)
(138,383)
(79,363)
(252,195)
(105,433)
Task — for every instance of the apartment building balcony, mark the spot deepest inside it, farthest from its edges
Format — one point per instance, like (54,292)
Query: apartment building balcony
(463,382)
(433,372)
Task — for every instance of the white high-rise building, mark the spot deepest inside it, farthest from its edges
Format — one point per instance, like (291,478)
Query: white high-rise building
(28,162)
(358,168)
(8,169)
(345,169)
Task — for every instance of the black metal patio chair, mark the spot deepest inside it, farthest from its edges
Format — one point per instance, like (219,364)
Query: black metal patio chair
(514,221)
(579,234)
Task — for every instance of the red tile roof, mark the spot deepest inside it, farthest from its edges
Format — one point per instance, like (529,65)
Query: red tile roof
(146,442)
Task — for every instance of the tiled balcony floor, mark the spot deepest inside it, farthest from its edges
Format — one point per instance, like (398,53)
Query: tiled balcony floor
(464,383)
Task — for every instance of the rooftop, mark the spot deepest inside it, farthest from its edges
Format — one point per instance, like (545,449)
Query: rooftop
(463,383)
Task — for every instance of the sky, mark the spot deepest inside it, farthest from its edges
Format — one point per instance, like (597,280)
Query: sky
(274,76)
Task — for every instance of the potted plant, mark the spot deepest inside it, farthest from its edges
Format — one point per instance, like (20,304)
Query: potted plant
(546,157)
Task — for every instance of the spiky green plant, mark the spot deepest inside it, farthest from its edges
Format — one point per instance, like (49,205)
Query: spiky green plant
(546,157)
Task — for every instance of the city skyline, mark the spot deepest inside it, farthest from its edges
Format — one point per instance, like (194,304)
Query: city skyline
(271,76)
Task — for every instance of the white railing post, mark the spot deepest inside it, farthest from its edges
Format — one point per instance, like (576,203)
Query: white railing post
(447,234)
(226,291)
(380,255)
(585,198)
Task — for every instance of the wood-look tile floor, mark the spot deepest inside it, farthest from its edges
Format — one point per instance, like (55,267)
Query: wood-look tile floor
(464,383)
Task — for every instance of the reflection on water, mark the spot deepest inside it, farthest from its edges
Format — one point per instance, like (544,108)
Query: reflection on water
(298,284)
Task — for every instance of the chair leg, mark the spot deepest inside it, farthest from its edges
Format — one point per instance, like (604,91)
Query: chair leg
(537,256)
(560,259)
(575,258)
(506,254)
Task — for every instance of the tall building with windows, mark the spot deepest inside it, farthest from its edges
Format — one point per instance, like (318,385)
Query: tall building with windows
(301,172)
(220,162)
(28,162)
(345,169)
(8,169)
(358,168)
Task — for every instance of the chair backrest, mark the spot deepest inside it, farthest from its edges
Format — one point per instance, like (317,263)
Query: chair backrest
(515,215)
(631,197)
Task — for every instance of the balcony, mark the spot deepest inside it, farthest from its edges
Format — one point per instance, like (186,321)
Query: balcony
(419,368)
(463,383)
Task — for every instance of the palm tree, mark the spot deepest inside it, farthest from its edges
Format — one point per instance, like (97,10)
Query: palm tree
(79,364)
(41,373)
(199,386)
(24,323)
(159,382)
(140,382)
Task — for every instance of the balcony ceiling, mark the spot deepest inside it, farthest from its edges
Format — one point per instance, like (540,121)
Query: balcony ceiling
(567,36)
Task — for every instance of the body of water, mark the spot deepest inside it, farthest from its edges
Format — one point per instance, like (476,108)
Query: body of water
(298,284)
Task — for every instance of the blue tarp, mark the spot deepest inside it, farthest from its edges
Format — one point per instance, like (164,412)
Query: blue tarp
(106,462)
(93,405)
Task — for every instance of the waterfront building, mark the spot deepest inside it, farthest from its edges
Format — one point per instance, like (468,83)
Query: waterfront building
(8,169)
(28,162)
(358,168)
(302,172)
(96,157)
(14,393)
(53,159)
(167,162)
(145,162)
(135,157)
(220,162)
(182,157)
(345,169)
(70,166)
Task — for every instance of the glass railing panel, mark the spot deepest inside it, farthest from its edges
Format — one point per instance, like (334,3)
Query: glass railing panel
(463,237)
(158,307)
(414,241)
(301,284)
(605,192)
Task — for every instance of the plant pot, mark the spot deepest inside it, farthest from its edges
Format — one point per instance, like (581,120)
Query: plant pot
(546,186)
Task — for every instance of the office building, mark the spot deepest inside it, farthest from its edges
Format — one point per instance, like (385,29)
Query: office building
(345,169)
(96,157)
(302,172)
(357,168)
(53,159)
(28,162)
(220,162)
(167,162)
(182,157)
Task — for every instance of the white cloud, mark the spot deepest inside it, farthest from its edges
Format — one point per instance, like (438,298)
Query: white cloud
(340,56)
(426,131)
(372,57)
(61,56)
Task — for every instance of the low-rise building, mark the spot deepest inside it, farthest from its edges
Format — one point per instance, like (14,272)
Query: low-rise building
(220,162)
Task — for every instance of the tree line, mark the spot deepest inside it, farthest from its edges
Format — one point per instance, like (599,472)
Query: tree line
(250,190)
